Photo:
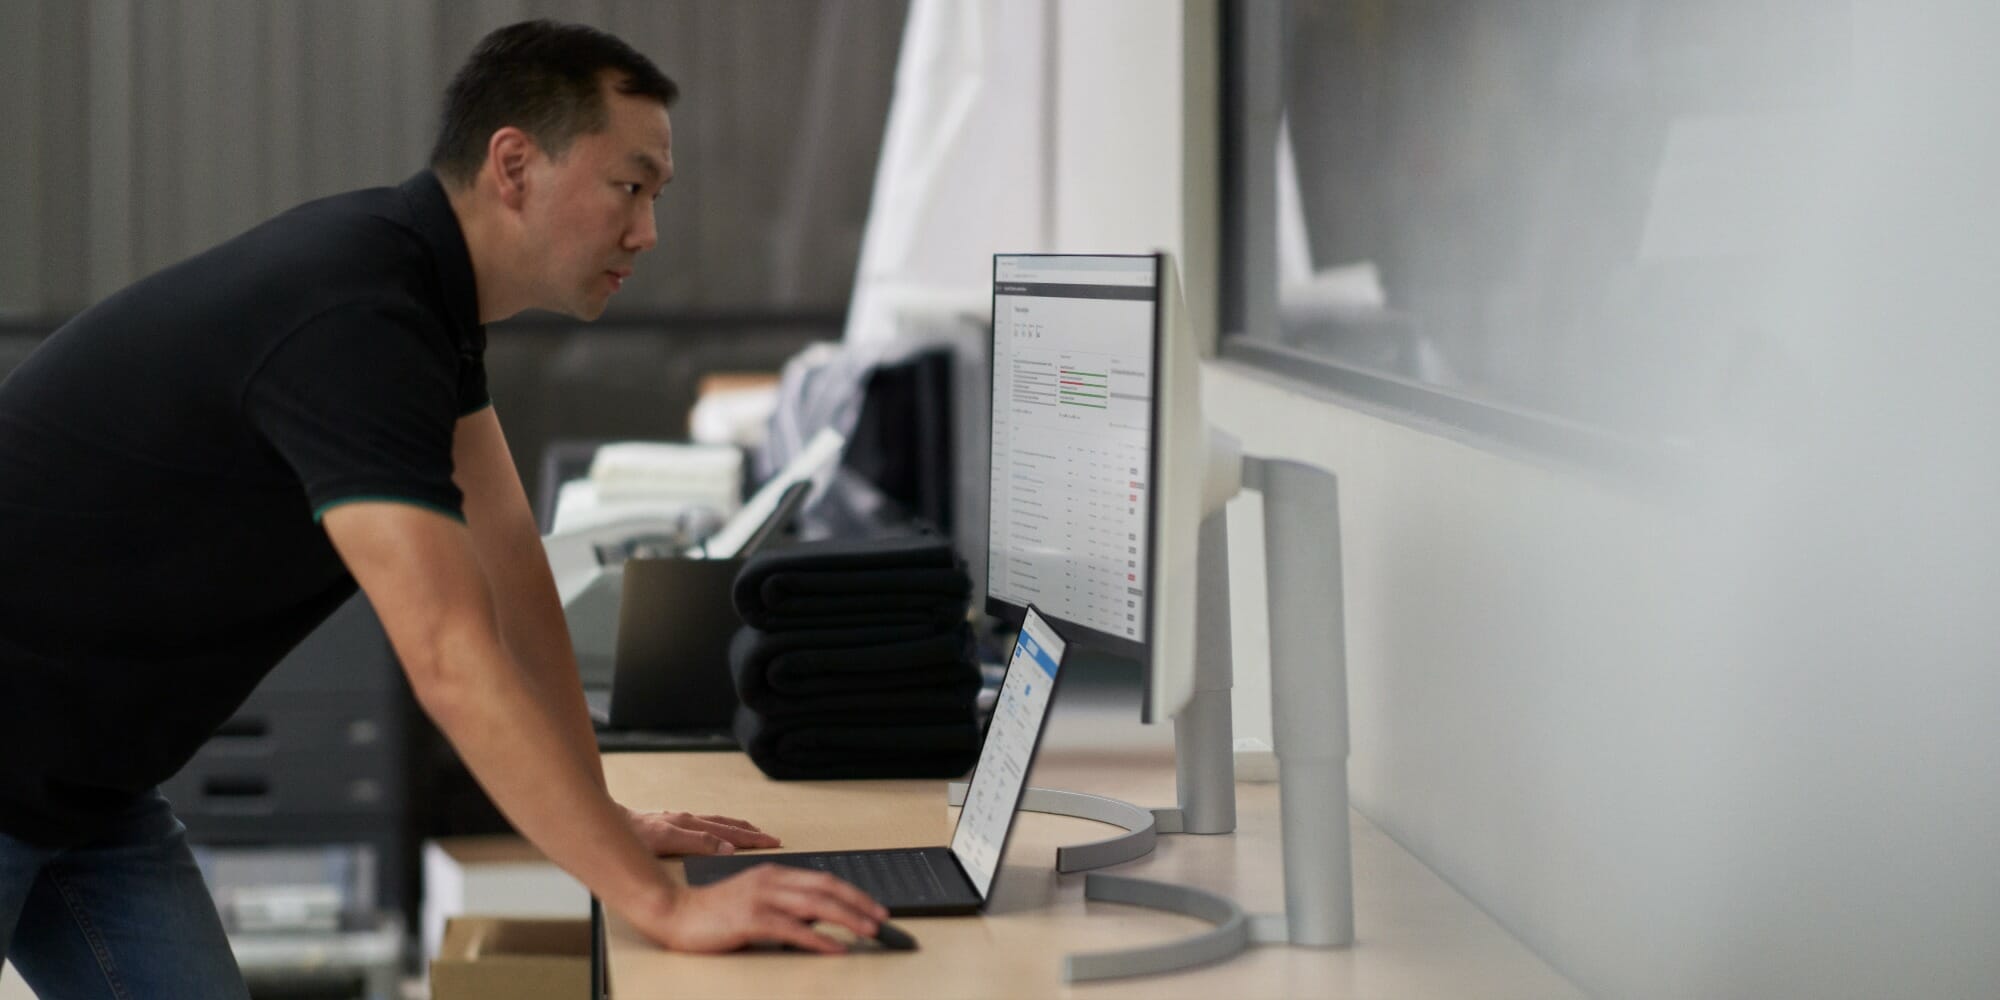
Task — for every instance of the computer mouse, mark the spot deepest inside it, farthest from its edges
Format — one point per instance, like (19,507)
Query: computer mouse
(894,938)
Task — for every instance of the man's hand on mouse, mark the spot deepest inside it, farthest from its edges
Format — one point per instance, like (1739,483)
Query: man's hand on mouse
(767,903)
(666,833)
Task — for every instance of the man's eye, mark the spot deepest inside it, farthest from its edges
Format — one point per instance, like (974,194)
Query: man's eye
(632,189)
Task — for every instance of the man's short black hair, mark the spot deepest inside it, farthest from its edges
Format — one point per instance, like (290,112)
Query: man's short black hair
(546,79)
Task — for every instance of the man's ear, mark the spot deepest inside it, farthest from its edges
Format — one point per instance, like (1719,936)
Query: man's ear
(507,156)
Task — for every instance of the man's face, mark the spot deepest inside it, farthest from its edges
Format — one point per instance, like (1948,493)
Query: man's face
(591,211)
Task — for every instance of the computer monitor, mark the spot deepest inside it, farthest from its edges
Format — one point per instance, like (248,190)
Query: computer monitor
(1102,469)
(1097,459)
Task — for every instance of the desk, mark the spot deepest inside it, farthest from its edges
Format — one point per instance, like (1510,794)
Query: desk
(1418,937)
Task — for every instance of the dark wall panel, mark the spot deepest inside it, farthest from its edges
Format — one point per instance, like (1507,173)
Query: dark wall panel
(144,132)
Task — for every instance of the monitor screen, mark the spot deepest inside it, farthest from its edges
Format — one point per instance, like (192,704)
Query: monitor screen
(1075,343)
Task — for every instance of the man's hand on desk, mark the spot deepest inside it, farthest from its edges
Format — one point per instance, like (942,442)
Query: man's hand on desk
(666,833)
(766,903)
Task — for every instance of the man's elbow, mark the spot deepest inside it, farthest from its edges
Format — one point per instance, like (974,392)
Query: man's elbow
(446,672)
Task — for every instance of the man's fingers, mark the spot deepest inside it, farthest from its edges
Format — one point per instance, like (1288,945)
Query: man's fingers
(684,833)
(820,883)
(665,839)
(735,831)
(810,907)
(732,821)
(690,842)
(785,930)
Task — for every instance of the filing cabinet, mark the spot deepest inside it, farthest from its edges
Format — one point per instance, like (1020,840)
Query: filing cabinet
(318,755)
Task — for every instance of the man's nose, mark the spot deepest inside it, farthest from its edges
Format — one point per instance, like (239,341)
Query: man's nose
(644,234)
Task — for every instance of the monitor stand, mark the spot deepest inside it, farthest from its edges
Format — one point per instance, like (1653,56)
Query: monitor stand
(1310,732)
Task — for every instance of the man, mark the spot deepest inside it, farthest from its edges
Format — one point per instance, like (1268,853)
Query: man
(196,471)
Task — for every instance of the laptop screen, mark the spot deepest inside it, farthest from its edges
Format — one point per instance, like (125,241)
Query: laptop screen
(1002,772)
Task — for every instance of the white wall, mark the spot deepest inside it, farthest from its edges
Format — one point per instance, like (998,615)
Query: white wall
(1136,163)
(1735,743)
(1117,162)
(1737,738)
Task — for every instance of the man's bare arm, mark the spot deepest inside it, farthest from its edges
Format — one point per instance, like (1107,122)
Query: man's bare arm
(421,573)
(510,552)
(531,622)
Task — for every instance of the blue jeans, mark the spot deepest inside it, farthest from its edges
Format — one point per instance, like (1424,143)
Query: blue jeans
(124,914)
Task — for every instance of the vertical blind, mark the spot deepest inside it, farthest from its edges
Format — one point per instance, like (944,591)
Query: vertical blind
(139,133)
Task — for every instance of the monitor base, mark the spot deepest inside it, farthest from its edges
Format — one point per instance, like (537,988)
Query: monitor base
(1235,931)
(1141,825)
(1230,936)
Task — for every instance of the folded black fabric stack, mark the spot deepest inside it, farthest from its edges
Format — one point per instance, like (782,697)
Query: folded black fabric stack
(855,661)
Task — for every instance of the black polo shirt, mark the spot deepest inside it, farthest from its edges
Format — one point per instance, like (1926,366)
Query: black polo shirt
(165,458)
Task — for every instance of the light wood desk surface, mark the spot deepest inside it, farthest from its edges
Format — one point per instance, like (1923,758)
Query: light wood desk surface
(1417,936)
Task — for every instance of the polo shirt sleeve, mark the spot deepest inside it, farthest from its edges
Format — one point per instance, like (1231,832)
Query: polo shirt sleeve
(472,394)
(362,402)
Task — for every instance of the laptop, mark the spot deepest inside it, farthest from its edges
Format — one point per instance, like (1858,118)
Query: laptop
(670,684)
(958,879)
(671,666)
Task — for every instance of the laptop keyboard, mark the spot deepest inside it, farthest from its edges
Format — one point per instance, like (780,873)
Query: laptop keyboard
(899,875)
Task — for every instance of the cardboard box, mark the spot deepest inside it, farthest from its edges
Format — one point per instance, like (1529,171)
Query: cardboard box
(493,958)
(494,877)
(714,382)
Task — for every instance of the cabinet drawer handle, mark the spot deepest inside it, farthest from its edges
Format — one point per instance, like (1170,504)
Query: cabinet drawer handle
(235,787)
(244,727)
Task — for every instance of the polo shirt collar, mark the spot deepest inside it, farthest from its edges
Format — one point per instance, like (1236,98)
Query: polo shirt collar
(430,209)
